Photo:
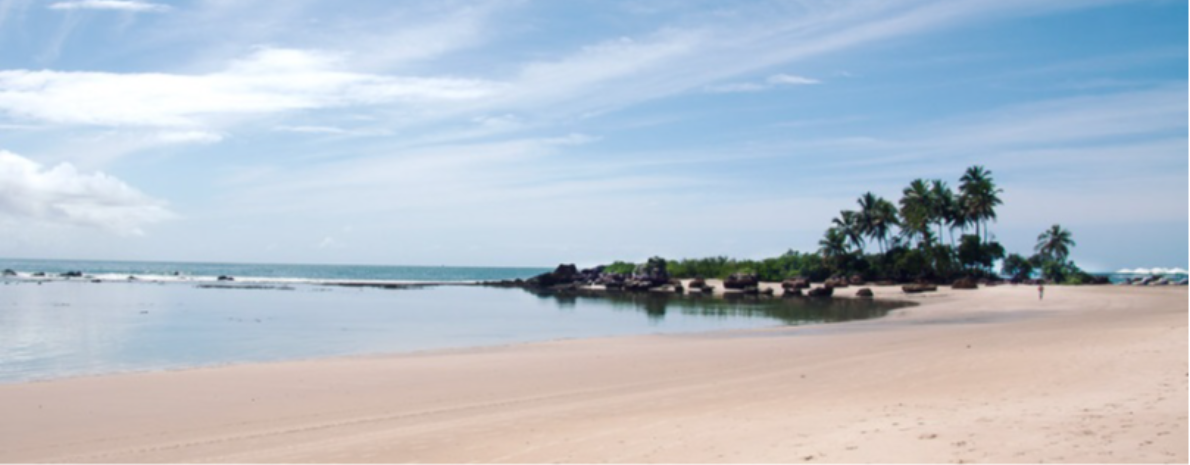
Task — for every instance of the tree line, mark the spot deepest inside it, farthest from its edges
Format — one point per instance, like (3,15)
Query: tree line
(914,240)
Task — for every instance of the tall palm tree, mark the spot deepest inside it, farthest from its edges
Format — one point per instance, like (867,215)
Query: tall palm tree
(916,210)
(884,218)
(833,245)
(848,223)
(980,197)
(1055,243)
(944,206)
(877,217)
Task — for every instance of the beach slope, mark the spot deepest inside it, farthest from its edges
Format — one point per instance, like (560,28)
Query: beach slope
(1090,374)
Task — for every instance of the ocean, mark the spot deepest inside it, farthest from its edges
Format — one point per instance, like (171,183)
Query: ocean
(269,272)
(54,328)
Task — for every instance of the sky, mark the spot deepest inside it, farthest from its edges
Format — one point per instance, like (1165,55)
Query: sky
(528,133)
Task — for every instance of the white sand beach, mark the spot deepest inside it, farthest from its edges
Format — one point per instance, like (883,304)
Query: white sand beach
(1090,374)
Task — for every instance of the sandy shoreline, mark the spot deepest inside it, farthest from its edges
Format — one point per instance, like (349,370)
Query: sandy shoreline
(1091,374)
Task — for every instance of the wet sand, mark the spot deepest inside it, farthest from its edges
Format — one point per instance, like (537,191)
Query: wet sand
(1090,374)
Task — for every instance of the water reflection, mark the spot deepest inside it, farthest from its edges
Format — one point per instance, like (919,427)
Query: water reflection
(791,311)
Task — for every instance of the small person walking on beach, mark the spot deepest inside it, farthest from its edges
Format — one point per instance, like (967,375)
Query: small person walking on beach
(1040,291)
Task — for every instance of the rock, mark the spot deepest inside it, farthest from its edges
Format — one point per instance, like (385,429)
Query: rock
(698,283)
(225,278)
(751,290)
(964,283)
(39,274)
(789,292)
(563,274)
(795,283)
(741,281)
(864,292)
(824,291)
(839,282)
(9,272)
(767,291)
(855,280)
(917,288)
(1183,282)
(132,278)
(72,274)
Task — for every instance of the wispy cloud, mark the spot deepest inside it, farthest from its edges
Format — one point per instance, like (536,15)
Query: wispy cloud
(269,81)
(115,5)
(32,193)
(773,81)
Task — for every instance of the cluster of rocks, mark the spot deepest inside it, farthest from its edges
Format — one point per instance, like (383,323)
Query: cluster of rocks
(650,276)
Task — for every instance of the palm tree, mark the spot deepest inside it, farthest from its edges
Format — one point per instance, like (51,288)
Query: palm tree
(916,210)
(833,245)
(1055,243)
(849,224)
(944,206)
(877,216)
(980,197)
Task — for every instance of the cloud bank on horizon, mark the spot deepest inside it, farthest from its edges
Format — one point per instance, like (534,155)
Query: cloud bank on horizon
(527,133)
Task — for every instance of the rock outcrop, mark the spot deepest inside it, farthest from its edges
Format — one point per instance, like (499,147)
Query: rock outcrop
(838,282)
(964,283)
(864,292)
(741,281)
(795,283)
(824,291)
(918,288)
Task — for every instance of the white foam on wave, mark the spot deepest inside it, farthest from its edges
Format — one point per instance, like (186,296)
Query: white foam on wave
(1151,271)
(182,278)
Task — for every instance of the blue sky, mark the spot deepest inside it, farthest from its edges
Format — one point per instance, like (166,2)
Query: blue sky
(531,133)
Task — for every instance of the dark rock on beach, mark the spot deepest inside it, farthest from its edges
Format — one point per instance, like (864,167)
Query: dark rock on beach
(790,292)
(72,274)
(225,278)
(9,272)
(824,291)
(836,282)
(964,283)
(918,288)
(795,283)
(741,281)
(864,292)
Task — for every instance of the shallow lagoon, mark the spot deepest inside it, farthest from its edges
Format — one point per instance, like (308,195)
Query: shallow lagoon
(69,328)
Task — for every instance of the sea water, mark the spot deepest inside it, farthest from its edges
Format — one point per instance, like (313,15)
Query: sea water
(60,328)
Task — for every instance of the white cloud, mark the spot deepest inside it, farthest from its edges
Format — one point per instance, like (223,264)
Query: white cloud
(31,193)
(269,81)
(792,80)
(772,81)
(117,5)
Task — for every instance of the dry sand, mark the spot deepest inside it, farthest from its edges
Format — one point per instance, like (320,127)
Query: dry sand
(1091,374)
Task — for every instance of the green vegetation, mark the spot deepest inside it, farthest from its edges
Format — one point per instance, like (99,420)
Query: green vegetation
(914,240)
